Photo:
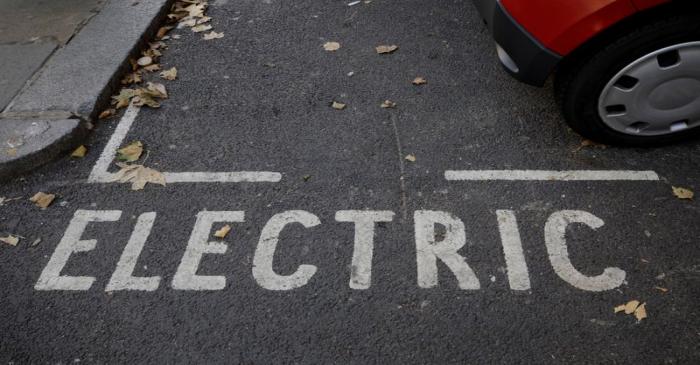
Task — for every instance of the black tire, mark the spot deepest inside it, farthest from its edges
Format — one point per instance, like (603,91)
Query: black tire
(581,78)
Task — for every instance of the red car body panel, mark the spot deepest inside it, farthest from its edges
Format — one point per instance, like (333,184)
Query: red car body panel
(563,25)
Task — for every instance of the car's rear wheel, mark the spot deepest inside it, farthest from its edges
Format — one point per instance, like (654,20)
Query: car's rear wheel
(641,89)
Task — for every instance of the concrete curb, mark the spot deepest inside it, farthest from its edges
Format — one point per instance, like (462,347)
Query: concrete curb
(75,85)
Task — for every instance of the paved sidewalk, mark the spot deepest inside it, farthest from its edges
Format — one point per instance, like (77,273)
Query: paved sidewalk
(29,33)
(61,60)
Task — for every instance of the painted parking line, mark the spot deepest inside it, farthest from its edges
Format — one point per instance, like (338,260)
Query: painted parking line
(550,175)
(100,172)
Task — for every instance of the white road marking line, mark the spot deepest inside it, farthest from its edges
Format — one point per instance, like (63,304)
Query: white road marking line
(100,172)
(548,175)
(236,176)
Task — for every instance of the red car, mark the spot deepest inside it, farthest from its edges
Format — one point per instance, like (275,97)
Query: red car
(625,71)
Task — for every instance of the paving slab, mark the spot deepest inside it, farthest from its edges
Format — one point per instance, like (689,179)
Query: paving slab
(18,63)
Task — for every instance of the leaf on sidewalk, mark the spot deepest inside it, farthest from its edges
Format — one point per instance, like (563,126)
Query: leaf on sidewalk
(42,200)
(169,74)
(138,176)
(633,307)
(410,158)
(79,152)
(221,233)
(212,35)
(683,193)
(10,240)
(331,46)
(419,81)
(131,152)
(338,106)
(383,49)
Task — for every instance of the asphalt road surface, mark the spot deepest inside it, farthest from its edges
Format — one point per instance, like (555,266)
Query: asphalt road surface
(341,249)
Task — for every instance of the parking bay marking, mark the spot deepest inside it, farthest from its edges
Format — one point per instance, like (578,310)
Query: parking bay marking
(100,172)
(550,175)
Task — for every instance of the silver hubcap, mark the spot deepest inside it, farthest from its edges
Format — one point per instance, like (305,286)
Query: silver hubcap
(655,95)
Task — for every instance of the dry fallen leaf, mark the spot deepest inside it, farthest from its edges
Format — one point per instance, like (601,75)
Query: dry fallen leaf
(661,289)
(386,49)
(331,46)
(196,10)
(169,74)
(106,113)
(419,81)
(131,152)
(388,104)
(122,99)
(144,61)
(641,312)
(188,22)
(157,90)
(212,35)
(410,158)
(338,106)
(10,240)
(162,31)
(138,176)
(204,19)
(619,308)
(201,28)
(42,200)
(631,306)
(222,232)
(682,193)
(79,152)
(152,68)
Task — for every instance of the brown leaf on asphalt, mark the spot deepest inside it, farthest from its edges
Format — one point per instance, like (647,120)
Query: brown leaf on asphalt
(331,46)
(157,90)
(10,240)
(106,113)
(201,28)
(138,176)
(79,152)
(144,61)
(388,104)
(132,78)
(661,289)
(162,31)
(383,49)
(122,99)
(42,200)
(188,22)
(338,106)
(212,35)
(221,233)
(641,312)
(130,152)
(152,68)
(631,306)
(683,193)
(196,10)
(619,308)
(410,158)
(169,74)
(419,81)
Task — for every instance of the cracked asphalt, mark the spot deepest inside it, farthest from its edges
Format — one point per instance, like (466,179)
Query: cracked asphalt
(259,100)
